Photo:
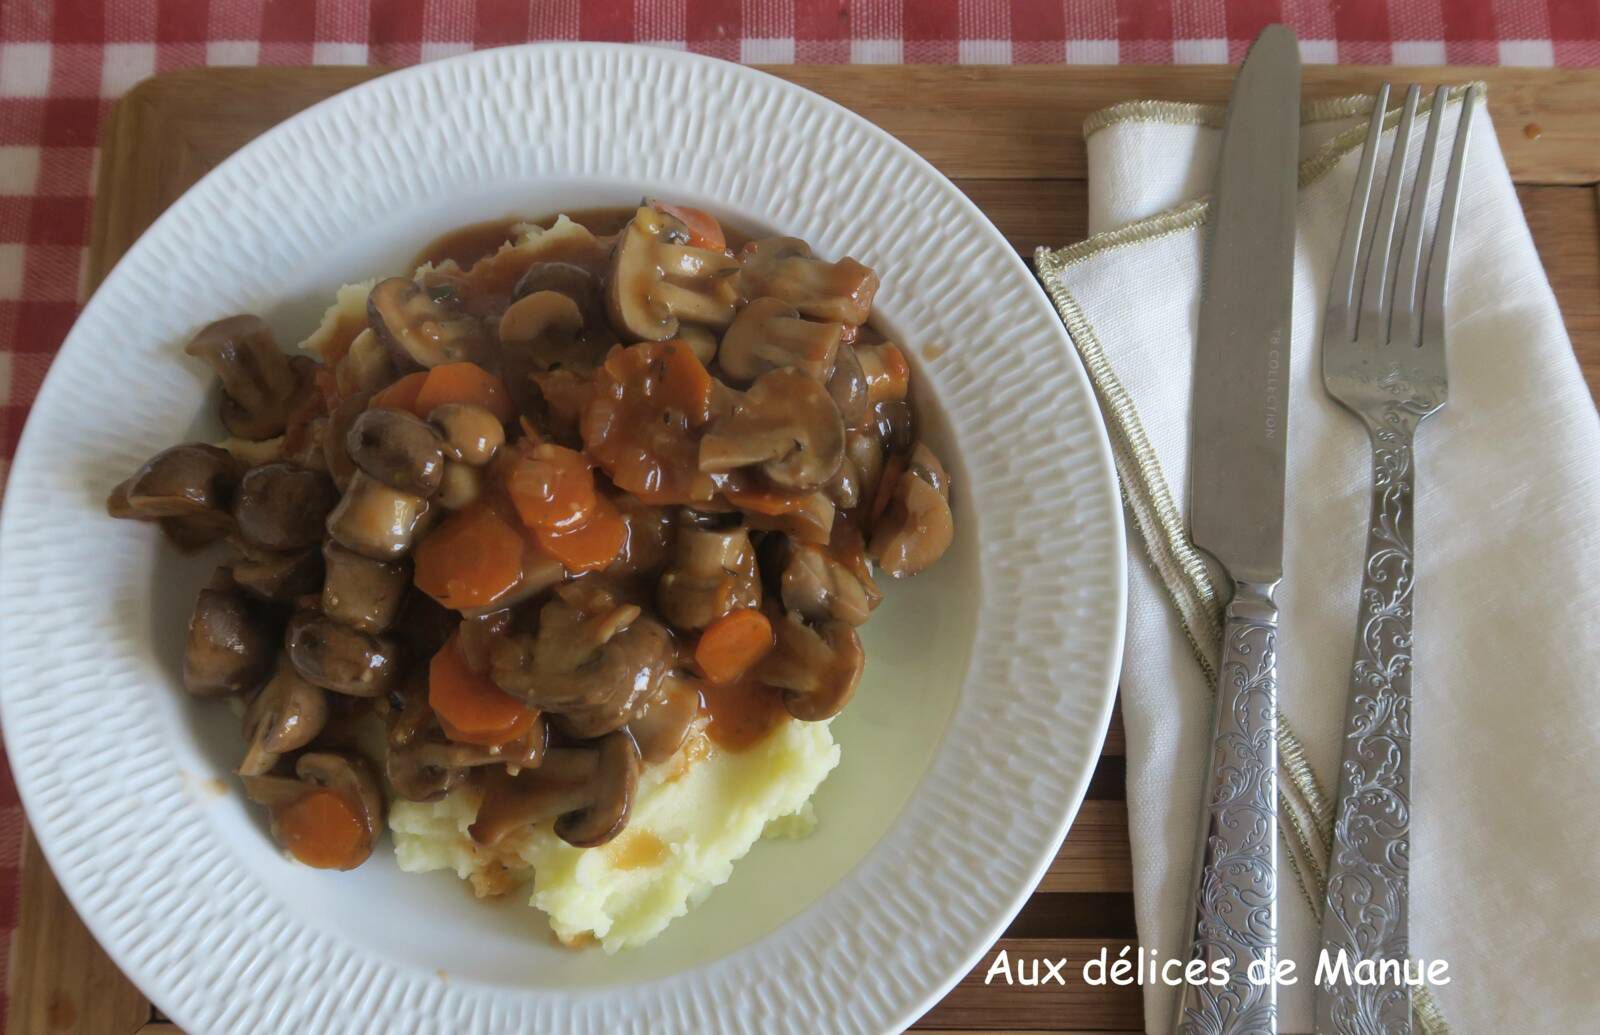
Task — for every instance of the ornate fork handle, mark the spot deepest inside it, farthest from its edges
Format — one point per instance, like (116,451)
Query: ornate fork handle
(1368,885)
(1236,899)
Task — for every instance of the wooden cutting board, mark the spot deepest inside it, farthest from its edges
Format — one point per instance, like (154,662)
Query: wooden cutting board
(1011,139)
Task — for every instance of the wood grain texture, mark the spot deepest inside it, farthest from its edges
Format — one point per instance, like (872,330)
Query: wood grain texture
(1011,139)
(62,983)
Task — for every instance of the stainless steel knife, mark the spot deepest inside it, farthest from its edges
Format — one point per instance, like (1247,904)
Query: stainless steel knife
(1239,426)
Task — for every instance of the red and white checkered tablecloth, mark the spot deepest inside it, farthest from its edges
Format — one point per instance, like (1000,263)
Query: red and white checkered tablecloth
(63,64)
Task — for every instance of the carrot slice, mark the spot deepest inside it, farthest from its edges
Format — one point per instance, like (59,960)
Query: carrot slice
(704,230)
(640,421)
(321,829)
(552,488)
(732,644)
(592,545)
(470,707)
(464,383)
(402,395)
(471,560)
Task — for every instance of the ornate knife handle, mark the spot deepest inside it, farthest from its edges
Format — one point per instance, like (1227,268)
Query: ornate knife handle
(1235,899)
(1368,879)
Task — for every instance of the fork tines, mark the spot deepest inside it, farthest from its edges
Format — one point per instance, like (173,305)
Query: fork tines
(1378,296)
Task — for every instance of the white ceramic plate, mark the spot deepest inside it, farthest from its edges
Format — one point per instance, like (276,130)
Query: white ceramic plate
(966,750)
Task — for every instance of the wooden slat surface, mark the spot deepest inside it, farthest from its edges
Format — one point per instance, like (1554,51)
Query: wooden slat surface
(1011,139)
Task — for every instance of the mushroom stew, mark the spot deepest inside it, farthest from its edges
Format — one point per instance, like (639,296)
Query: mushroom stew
(545,512)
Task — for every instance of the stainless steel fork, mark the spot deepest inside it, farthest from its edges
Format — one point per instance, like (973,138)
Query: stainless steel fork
(1383,359)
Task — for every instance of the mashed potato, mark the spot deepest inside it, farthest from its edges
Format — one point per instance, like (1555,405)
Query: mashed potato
(694,816)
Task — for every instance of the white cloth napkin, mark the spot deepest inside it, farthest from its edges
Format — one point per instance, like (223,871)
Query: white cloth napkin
(1506,762)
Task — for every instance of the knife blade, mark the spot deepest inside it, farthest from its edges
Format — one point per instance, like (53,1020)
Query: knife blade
(1238,432)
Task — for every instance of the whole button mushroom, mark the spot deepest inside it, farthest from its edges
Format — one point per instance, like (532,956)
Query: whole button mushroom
(400,450)
(231,641)
(470,434)
(339,658)
(283,506)
(360,592)
(376,520)
(281,576)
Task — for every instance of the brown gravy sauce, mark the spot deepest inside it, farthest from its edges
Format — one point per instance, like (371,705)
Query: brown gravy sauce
(637,850)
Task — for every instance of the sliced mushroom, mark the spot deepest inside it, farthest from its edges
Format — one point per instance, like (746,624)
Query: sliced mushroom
(231,641)
(783,267)
(339,658)
(807,518)
(472,435)
(586,671)
(415,778)
(366,367)
(545,320)
(348,777)
(589,791)
(769,334)
(283,506)
(567,278)
(887,373)
(412,726)
(277,575)
(713,572)
(422,329)
(526,752)
(661,723)
(360,592)
(701,341)
(285,715)
(848,386)
(400,450)
(845,486)
(188,488)
(375,520)
(863,450)
(656,282)
(259,383)
(820,588)
(893,423)
(787,424)
(817,669)
(917,527)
